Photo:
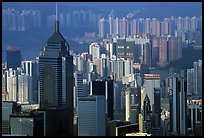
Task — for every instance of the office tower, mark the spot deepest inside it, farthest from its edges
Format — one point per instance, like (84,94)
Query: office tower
(8,108)
(135,104)
(193,22)
(113,125)
(177,94)
(157,108)
(183,104)
(163,51)
(25,89)
(194,114)
(125,48)
(13,57)
(105,88)
(129,47)
(101,66)
(151,81)
(56,80)
(80,84)
(91,116)
(78,62)
(118,69)
(198,78)
(186,24)
(146,59)
(146,114)
(155,51)
(174,48)
(118,86)
(28,124)
(190,81)
(101,28)
(127,105)
(11,78)
(137,53)
(141,114)
(123,27)
(94,51)
(180,23)
(31,68)
(128,67)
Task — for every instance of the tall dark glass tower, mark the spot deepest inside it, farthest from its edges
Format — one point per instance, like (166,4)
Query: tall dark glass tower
(13,57)
(56,80)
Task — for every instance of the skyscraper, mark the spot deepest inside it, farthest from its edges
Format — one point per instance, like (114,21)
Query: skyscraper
(13,57)
(198,77)
(190,81)
(186,24)
(94,50)
(123,27)
(151,81)
(101,28)
(178,109)
(56,79)
(31,68)
(91,116)
(174,48)
(163,51)
(155,51)
(125,48)
(104,87)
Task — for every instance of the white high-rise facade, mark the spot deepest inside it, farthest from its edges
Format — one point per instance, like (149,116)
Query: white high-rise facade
(94,50)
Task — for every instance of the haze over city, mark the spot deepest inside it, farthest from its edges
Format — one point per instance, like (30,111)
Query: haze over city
(102,68)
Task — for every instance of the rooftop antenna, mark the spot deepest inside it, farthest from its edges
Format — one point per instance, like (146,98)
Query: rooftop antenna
(56,11)
(56,21)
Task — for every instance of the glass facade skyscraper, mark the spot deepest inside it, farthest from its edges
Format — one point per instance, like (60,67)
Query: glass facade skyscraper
(56,78)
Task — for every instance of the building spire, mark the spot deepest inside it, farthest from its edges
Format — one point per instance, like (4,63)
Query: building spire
(56,20)
(56,10)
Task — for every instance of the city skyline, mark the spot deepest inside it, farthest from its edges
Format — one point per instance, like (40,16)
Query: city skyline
(133,76)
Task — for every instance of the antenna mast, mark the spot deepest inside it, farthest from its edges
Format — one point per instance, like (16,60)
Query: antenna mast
(56,11)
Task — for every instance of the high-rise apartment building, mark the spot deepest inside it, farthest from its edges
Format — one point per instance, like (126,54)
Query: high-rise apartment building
(163,51)
(174,48)
(101,28)
(123,27)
